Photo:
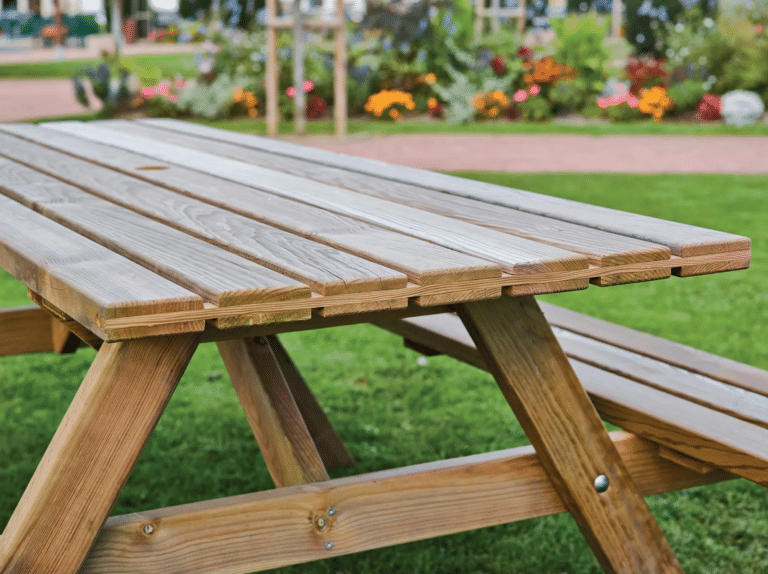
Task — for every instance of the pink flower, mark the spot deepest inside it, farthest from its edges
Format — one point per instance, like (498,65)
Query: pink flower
(290,92)
(520,96)
(534,90)
(308,86)
(632,102)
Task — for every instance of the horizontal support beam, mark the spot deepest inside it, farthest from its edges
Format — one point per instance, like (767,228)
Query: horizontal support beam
(286,22)
(25,330)
(292,525)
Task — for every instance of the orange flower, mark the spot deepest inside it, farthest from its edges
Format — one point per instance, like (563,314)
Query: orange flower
(430,78)
(250,100)
(252,112)
(394,114)
(137,102)
(238,94)
(655,102)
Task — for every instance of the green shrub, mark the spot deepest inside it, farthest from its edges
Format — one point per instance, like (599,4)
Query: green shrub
(685,95)
(535,109)
(622,113)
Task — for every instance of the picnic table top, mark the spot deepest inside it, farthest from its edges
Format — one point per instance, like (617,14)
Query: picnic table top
(154,227)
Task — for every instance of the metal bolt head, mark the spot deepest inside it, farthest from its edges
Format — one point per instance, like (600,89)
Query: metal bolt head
(602,483)
(148,529)
(328,545)
(331,511)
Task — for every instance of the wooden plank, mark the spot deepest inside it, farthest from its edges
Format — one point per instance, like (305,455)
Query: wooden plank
(326,270)
(424,263)
(515,255)
(684,240)
(328,442)
(702,433)
(62,326)
(218,276)
(540,385)
(285,443)
(78,276)
(371,511)
(25,330)
(92,453)
(678,381)
(719,368)
(600,247)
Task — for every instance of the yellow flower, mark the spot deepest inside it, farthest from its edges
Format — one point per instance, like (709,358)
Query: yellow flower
(378,103)
(250,100)
(655,102)
(410,105)
(430,78)
(238,94)
(432,103)
(394,114)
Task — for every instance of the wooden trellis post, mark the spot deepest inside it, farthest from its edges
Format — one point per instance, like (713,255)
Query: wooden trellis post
(495,12)
(298,24)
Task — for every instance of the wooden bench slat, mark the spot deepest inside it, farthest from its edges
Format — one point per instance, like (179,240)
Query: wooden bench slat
(514,254)
(719,368)
(25,330)
(706,433)
(424,263)
(602,248)
(218,276)
(684,240)
(77,275)
(327,270)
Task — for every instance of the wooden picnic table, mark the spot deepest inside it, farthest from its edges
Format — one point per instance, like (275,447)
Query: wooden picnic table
(146,238)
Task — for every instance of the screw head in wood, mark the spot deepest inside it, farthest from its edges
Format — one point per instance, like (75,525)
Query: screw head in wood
(148,529)
(328,545)
(602,483)
(331,511)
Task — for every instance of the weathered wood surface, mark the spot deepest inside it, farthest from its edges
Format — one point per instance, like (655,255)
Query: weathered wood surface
(602,248)
(93,451)
(684,240)
(515,255)
(278,528)
(78,276)
(327,270)
(218,276)
(424,263)
(533,373)
(706,419)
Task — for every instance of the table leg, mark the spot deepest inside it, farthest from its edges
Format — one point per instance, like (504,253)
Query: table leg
(327,440)
(574,448)
(286,445)
(92,453)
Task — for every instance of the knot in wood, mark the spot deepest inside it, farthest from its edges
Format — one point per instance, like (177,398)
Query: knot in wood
(321,523)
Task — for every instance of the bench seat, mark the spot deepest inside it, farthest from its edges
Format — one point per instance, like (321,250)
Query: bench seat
(703,411)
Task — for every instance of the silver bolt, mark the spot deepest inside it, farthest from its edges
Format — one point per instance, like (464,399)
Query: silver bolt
(602,483)
(328,545)
(149,529)
(331,511)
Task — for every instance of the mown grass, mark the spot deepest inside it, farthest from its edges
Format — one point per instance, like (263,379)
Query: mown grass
(392,410)
(149,67)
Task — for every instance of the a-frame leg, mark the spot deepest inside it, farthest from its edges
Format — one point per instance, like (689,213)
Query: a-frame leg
(285,442)
(92,453)
(327,440)
(564,428)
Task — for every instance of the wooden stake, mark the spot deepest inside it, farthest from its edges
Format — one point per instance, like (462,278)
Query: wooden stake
(271,80)
(300,97)
(340,70)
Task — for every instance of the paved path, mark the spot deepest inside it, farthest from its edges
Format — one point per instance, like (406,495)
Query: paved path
(559,152)
(22,100)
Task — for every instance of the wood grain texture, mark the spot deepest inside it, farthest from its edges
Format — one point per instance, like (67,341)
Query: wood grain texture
(285,443)
(326,269)
(92,453)
(684,240)
(327,440)
(276,528)
(719,368)
(424,263)
(554,410)
(25,330)
(602,248)
(514,254)
(218,276)
(78,275)
(718,431)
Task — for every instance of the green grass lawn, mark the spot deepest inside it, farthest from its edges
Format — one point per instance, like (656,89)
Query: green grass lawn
(149,67)
(393,411)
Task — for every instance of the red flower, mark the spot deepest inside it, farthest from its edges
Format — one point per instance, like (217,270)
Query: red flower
(498,66)
(525,53)
(644,73)
(316,107)
(709,108)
